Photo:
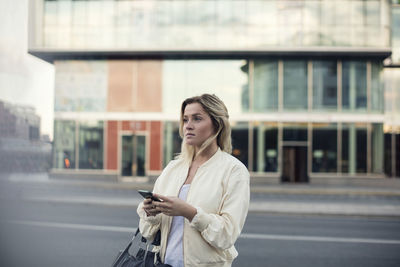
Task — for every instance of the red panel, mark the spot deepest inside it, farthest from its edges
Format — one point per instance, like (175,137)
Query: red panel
(112,145)
(126,125)
(155,146)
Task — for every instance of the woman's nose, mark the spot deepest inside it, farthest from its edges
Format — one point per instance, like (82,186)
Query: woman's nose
(189,125)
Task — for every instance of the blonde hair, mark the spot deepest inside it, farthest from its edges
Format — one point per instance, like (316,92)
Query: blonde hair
(218,113)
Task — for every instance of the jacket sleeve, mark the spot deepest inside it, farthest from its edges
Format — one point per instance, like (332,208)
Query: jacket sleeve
(149,225)
(221,230)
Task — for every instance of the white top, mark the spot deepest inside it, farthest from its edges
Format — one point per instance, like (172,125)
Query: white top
(174,252)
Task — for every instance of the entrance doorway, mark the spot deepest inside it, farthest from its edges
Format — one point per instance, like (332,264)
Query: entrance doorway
(133,160)
(294,167)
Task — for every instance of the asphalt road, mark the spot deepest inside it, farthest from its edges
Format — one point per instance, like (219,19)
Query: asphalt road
(50,233)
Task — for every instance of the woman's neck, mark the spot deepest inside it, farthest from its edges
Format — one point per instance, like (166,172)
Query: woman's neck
(206,154)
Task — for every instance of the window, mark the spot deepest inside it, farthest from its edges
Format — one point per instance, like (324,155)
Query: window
(354,85)
(240,142)
(91,145)
(324,85)
(64,144)
(172,141)
(324,148)
(265,95)
(295,84)
(265,147)
(354,148)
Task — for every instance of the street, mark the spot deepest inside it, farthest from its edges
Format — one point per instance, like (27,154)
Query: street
(39,228)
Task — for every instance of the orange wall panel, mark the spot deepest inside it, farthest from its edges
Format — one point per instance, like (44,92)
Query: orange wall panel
(112,145)
(149,86)
(120,82)
(155,146)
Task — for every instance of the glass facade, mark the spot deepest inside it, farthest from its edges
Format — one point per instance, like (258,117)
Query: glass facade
(184,78)
(396,33)
(91,145)
(265,86)
(276,101)
(217,24)
(295,94)
(240,142)
(324,85)
(64,145)
(324,148)
(354,85)
(265,147)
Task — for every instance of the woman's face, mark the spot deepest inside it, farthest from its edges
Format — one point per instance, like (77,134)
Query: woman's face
(197,125)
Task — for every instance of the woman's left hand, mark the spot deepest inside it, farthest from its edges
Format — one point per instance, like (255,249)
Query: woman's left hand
(174,206)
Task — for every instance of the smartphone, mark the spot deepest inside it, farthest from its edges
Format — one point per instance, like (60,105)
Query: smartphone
(148,194)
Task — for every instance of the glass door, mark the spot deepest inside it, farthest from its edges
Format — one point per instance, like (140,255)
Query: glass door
(133,160)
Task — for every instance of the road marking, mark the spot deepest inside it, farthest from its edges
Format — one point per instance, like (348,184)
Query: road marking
(320,239)
(77,226)
(243,235)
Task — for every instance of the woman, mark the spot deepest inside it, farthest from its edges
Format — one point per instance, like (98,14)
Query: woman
(205,191)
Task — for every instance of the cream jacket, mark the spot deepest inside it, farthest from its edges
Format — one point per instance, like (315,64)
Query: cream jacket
(220,192)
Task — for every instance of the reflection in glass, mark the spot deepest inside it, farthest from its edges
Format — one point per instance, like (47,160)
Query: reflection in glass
(265,148)
(91,145)
(388,154)
(354,148)
(377,148)
(217,24)
(133,155)
(295,84)
(324,148)
(172,141)
(354,85)
(240,142)
(227,79)
(265,85)
(64,144)
(376,87)
(397,152)
(81,85)
(324,85)
(396,34)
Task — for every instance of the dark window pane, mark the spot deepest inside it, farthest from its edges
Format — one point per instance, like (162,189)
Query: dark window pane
(240,143)
(265,149)
(361,151)
(388,154)
(91,146)
(345,150)
(324,150)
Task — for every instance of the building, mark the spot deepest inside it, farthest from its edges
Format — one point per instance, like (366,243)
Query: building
(19,122)
(21,149)
(392,98)
(303,81)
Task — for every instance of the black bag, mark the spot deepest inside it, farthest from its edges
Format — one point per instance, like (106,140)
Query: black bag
(140,253)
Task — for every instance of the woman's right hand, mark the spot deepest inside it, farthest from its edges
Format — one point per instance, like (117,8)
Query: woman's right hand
(149,208)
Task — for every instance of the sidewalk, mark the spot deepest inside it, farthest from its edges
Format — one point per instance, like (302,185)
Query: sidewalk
(309,199)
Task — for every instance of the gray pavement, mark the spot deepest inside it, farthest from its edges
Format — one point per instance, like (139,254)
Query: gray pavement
(311,199)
